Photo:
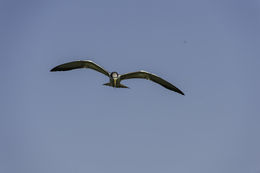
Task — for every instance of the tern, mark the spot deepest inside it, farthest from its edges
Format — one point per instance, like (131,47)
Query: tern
(115,78)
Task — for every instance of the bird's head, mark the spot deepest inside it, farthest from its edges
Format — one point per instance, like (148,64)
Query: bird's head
(114,75)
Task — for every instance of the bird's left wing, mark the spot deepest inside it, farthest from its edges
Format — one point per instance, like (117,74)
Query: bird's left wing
(152,77)
(80,64)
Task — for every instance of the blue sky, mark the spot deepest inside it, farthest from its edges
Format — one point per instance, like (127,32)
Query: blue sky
(69,122)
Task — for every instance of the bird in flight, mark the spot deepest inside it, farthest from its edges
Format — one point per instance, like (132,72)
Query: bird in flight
(114,77)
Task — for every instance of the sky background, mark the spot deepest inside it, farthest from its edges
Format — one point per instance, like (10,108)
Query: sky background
(69,122)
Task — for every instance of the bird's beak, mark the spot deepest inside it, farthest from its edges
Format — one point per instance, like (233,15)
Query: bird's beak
(115,82)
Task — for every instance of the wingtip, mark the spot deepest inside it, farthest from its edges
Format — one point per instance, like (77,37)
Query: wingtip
(54,69)
(180,92)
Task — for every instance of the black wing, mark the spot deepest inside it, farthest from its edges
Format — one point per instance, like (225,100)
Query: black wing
(80,64)
(152,77)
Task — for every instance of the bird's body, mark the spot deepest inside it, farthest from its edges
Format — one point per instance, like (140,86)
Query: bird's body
(114,77)
(115,80)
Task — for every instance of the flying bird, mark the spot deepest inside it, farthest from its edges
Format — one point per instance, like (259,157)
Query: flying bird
(114,77)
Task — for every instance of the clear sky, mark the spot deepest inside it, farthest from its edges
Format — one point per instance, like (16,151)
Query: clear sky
(69,122)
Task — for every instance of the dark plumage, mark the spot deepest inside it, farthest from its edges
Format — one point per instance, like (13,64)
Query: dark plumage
(115,78)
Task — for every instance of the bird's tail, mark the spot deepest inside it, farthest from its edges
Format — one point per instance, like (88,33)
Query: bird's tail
(120,85)
(108,84)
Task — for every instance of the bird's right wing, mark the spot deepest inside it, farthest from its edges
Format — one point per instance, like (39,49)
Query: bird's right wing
(152,77)
(80,64)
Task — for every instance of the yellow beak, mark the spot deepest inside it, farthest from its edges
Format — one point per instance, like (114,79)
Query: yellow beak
(115,82)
